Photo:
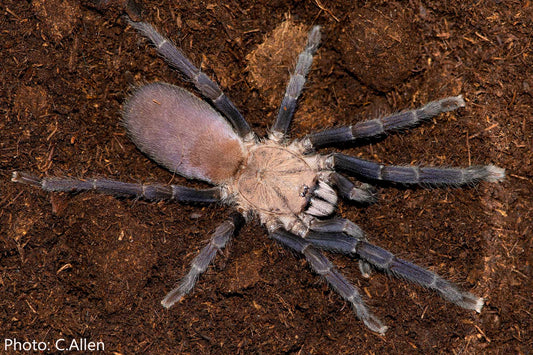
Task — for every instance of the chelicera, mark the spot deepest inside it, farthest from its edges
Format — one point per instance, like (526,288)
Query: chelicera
(290,188)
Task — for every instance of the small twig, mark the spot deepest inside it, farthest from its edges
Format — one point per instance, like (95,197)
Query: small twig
(485,130)
(321,7)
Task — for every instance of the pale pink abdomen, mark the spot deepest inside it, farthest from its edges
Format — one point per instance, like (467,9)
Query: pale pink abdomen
(183,133)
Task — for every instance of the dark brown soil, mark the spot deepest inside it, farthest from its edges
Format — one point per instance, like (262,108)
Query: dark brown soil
(95,267)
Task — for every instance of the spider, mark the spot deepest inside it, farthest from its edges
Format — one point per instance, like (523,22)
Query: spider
(290,188)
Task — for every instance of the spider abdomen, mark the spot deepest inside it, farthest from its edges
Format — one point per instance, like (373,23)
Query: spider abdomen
(183,133)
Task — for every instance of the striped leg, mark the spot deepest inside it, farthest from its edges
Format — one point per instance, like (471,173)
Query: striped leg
(203,83)
(383,125)
(340,226)
(364,193)
(388,262)
(409,175)
(296,84)
(219,239)
(322,266)
(121,189)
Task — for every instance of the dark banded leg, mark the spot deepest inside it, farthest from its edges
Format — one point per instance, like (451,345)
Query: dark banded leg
(339,226)
(121,189)
(409,175)
(296,84)
(365,193)
(219,239)
(335,225)
(322,266)
(203,83)
(383,125)
(388,262)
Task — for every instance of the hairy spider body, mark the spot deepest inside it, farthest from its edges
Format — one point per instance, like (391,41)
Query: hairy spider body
(278,183)
(289,187)
(183,133)
(267,178)
(274,179)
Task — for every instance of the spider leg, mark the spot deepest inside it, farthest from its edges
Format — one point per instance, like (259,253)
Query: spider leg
(203,83)
(219,239)
(121,189)
(336,226)
(322,266)
(383,125)
(384,260)
(409,175)
(365,193)
(295,85)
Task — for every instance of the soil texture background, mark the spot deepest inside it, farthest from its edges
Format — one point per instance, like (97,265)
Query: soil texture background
(90,266)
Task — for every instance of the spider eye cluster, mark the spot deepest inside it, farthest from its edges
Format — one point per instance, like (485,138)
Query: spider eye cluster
(305,190)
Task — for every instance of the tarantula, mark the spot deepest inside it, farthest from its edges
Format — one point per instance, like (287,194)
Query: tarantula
(289,187)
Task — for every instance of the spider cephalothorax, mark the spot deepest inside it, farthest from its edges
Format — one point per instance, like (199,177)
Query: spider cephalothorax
(288,186)
(282,186)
